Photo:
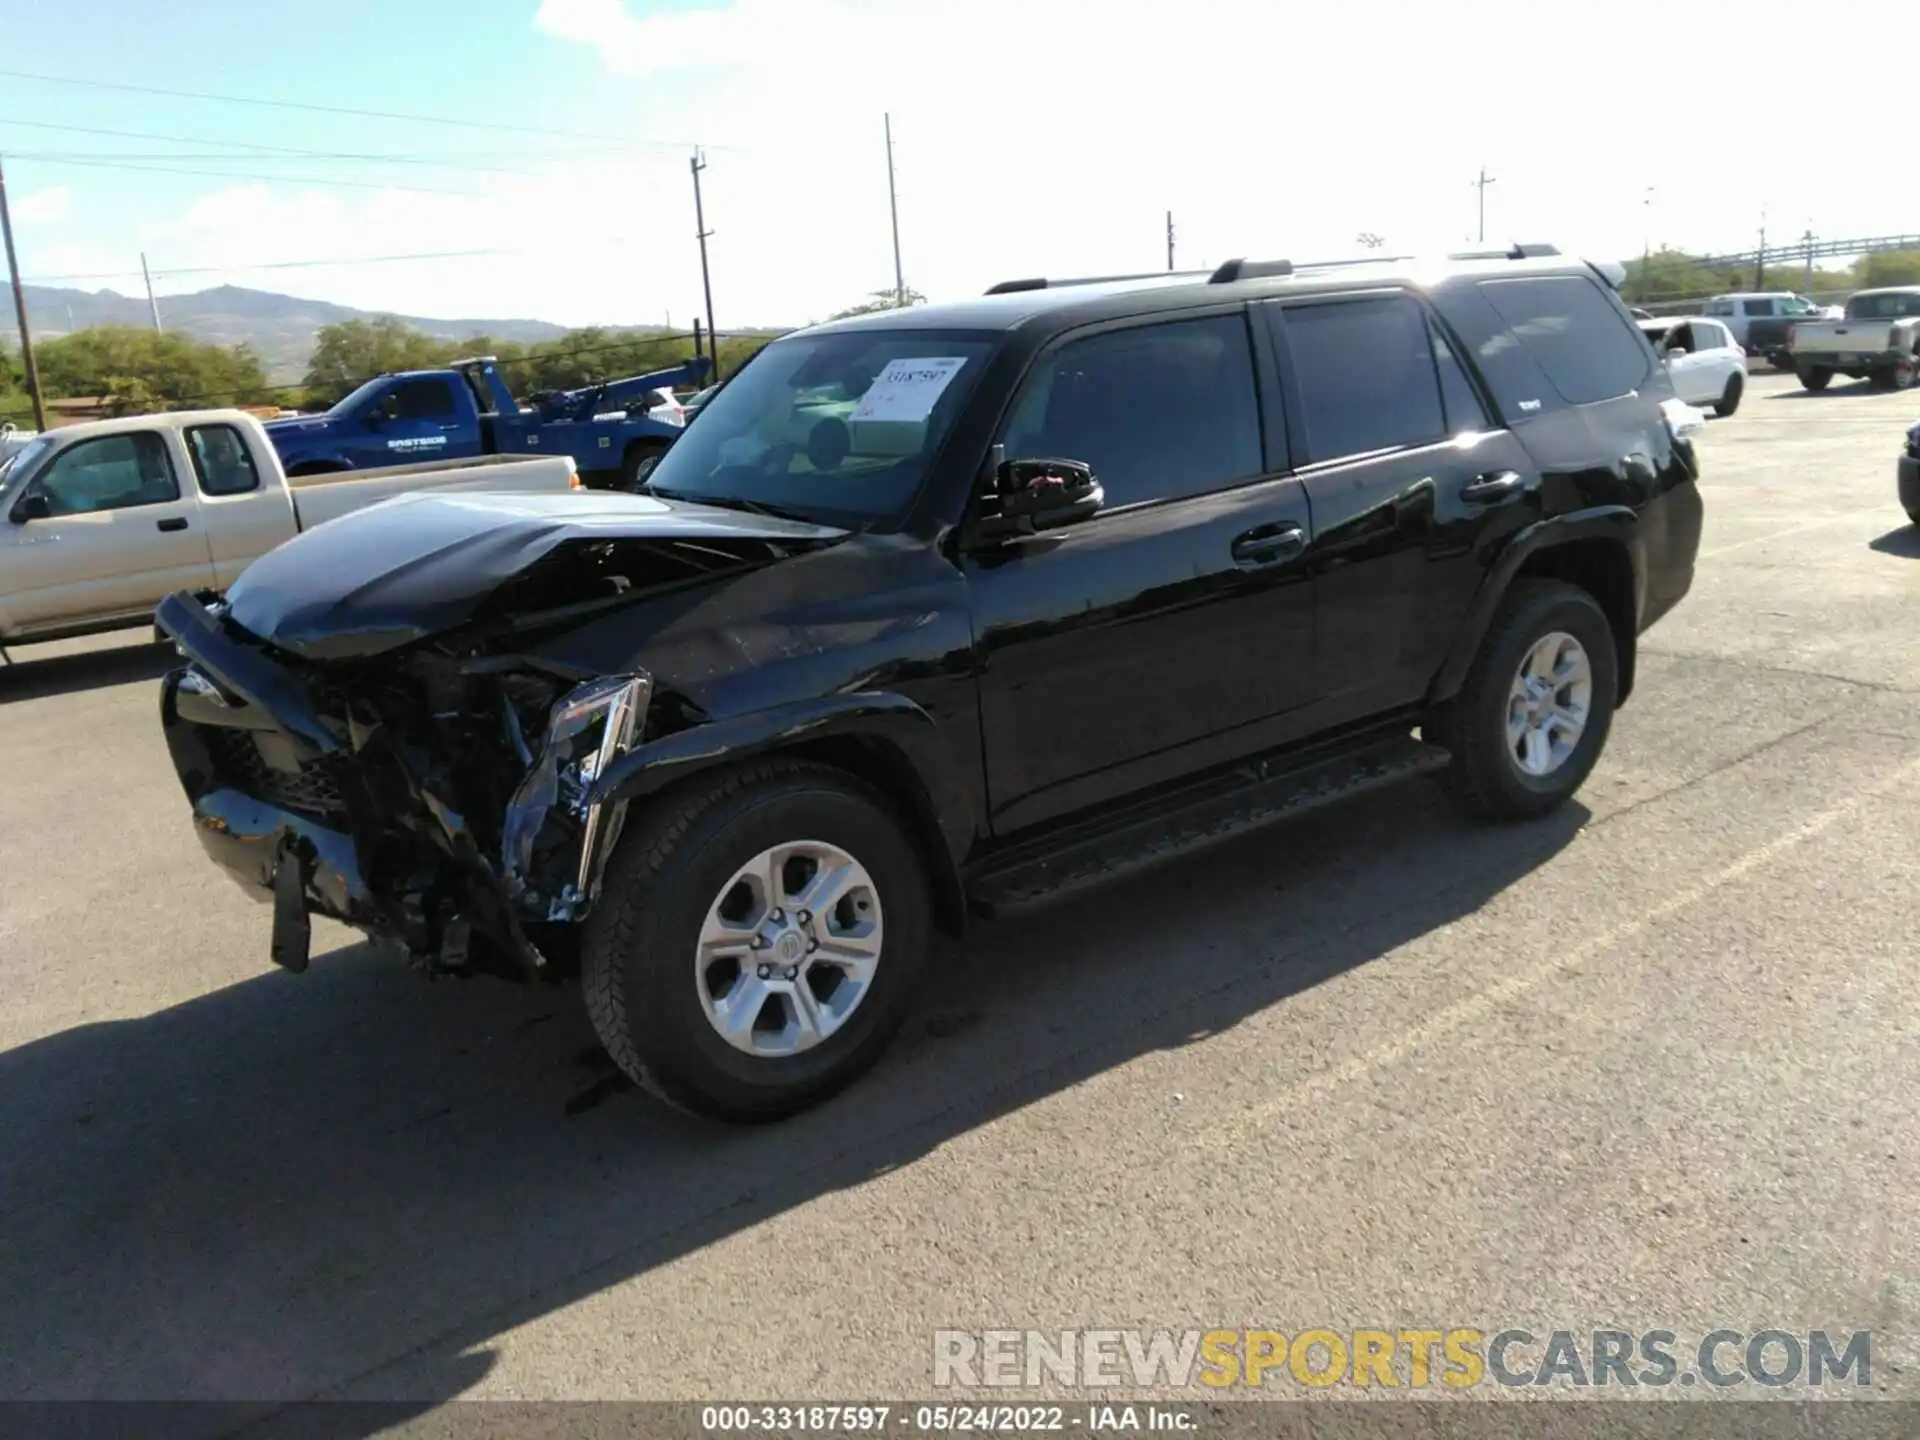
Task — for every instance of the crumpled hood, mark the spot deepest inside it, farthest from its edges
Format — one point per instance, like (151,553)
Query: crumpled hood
(418,565)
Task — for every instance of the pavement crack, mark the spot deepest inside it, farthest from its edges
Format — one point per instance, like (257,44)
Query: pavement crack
(1779,670)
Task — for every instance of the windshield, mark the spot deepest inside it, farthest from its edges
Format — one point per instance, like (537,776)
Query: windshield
(835,427)
(352,401)
(1895,305)
(22,459)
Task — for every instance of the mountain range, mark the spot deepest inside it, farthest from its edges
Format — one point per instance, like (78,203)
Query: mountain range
(280,328)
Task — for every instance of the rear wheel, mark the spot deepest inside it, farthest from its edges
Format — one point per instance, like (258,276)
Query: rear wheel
(759,940)
(638,463)
(1729,400)
(1814,377)
(1533,715)
(1898,376)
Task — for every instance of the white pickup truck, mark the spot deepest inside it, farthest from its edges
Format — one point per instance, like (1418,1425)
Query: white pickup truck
(100,522)
(1878,338)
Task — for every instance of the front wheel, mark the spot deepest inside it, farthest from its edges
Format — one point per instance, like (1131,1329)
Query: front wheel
(639,461)
(1533,715)
(759,940)
(1729,400)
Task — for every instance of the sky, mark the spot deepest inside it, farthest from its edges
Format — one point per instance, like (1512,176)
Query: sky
(1030,137)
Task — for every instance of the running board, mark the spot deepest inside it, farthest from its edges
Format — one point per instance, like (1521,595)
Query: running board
(1030,876)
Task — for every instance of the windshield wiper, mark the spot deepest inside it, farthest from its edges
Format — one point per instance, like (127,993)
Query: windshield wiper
(734,502)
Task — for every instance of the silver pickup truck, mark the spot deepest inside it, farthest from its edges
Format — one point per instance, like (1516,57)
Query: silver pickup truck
(1877,339)
(100,522)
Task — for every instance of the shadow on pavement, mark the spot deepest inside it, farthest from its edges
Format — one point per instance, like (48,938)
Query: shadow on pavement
(296,1183)
(28,678)
(1901,540)
(1835,387)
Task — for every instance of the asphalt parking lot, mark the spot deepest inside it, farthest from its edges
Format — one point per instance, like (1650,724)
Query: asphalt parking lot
(1647,1064)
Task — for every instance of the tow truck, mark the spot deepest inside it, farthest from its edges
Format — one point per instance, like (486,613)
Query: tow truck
(615,431)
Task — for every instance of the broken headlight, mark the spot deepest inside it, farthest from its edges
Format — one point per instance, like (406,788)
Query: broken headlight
(554,841)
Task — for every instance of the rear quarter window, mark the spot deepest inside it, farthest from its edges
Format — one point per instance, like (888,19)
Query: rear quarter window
(1578,337)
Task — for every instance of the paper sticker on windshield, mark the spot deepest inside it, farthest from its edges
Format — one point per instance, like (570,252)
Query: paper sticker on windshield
(908,389)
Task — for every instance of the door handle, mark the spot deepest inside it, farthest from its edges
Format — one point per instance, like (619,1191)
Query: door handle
(1268,544)
(178,522)
(1496,486)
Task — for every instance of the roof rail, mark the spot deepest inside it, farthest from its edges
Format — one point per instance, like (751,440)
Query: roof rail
(1507,252)
(1244,269)
(1011,287)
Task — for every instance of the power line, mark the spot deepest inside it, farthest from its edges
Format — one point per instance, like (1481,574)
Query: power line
(410,119)
(242,175)
(278,265)
(258,150)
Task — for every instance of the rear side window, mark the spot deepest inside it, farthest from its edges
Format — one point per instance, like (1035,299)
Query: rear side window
(1366,376)
(423,400)
(1159,411)
(1574,333)
(1719,307)
(221,461)
(1757,307)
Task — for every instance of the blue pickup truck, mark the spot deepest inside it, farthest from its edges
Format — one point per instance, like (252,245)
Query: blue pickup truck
(615,431)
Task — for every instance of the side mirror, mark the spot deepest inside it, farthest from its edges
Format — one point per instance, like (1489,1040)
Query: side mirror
(32,506)
(1037,495)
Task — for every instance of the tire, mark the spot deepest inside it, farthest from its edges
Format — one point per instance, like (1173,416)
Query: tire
(647,996)
(1900,375)
(1729,400)
(1486,779)
(638,462)
(1814,377)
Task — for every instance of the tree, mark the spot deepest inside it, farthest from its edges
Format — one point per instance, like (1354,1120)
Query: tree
(879,300)
(357,350)
(1894,267)
(143,370)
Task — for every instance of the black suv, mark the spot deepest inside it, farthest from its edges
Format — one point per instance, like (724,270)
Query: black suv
(965,607)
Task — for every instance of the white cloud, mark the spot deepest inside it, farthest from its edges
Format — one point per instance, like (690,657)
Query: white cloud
(1038,136)
(42,207)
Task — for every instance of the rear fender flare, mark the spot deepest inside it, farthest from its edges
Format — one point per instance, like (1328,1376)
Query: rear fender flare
(1603,522)
(905,736)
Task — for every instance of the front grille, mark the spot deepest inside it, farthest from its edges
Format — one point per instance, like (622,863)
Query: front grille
(311,790)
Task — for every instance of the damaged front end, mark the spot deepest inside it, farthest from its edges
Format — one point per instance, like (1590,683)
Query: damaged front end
(435,802)
(373,727)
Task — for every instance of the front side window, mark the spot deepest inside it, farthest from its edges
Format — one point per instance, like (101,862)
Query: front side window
(1366,375)
(1574,333)
(836,427)
(113,472)
(1797,305)
(221,461)
(1465,413)
(1158,411)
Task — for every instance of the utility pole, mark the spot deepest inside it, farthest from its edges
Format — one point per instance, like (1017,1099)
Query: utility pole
(893,205)
(1169,240)
(1760,255)
(1807,240)
(1481,185)
(706,279)
(152,304)
(1646,248)
(20,310)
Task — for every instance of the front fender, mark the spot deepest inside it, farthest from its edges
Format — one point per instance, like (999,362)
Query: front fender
(1602,522)
(875,717)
